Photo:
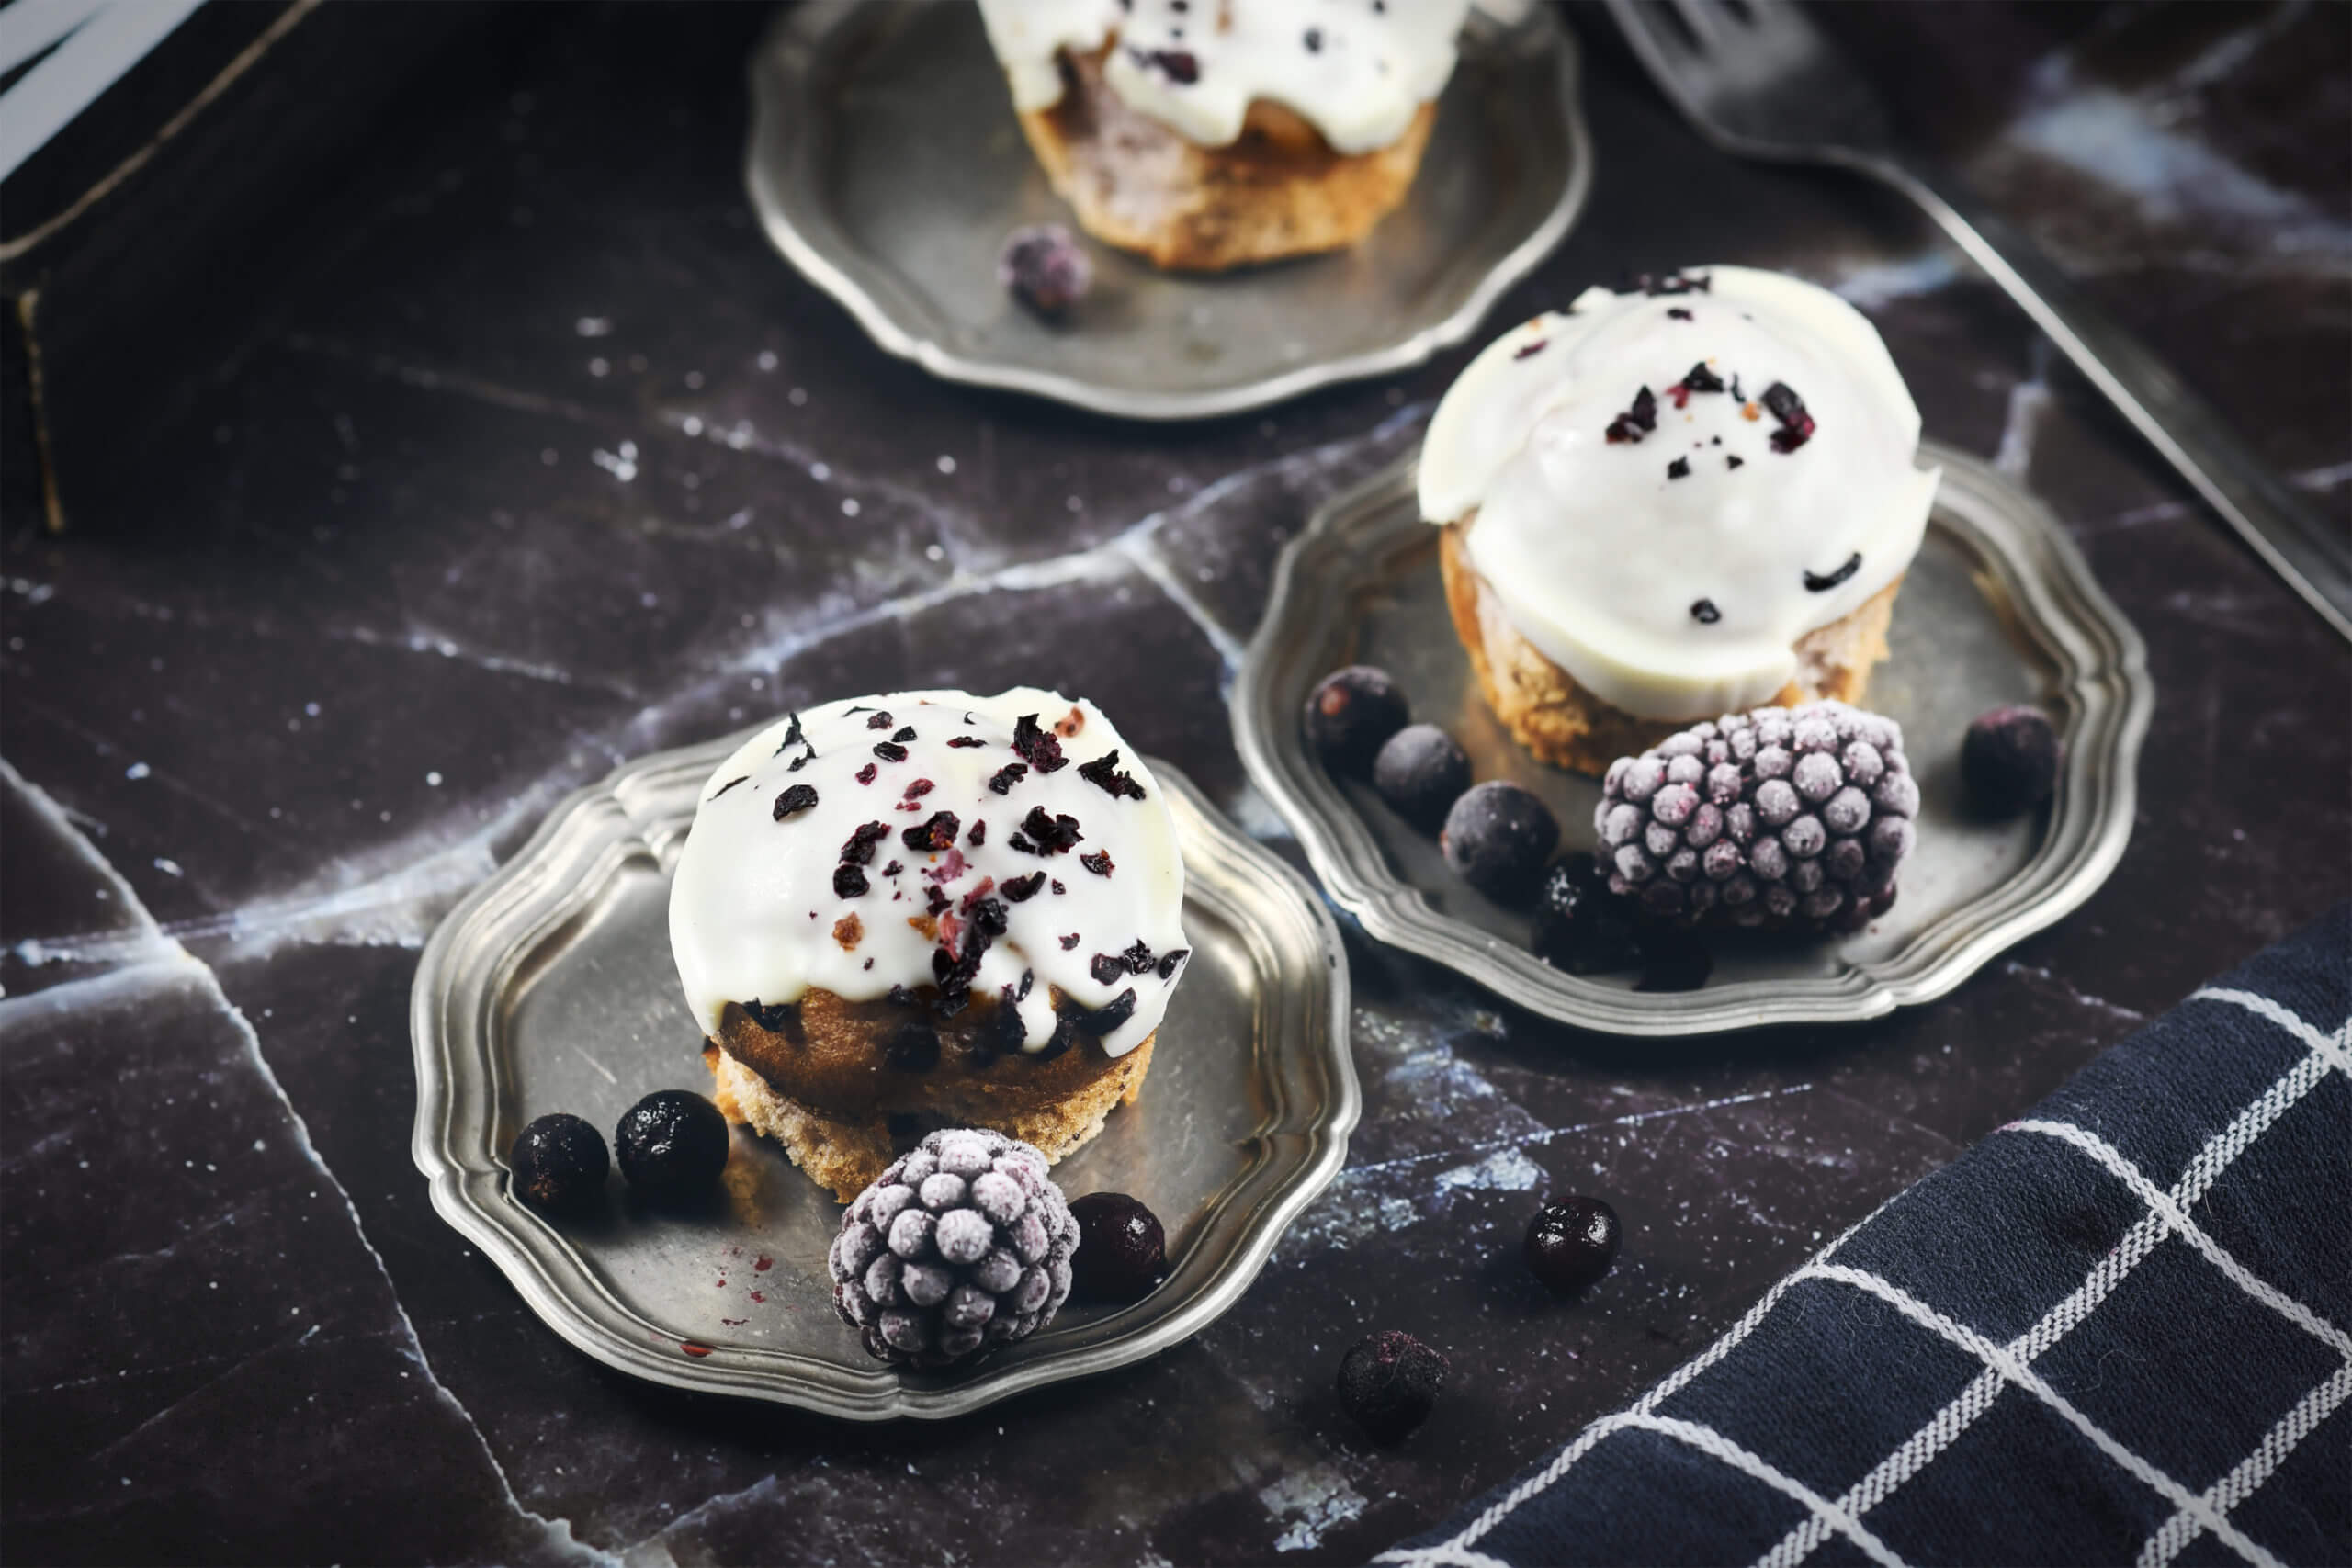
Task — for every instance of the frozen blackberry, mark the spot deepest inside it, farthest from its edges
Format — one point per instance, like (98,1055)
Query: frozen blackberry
(1786,818)
(1580,926)
(1044,267)
(1571,1243)
(1350,713)
(559,1163)
(1389,1381)
(958,1248)
(1122,1250)
(2009,760)
(673,1144)
(1498,837)
(1422,772)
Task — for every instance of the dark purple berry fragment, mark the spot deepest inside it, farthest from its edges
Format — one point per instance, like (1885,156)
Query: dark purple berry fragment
(1796,424)
(1635,421)
(1179,65)
(1004,778)
(1350,713)
(859,849)
(1533,349)
(1106,967)
(673,1144)
(1103,773)
(1101,1021)
(1122,1251)
(1136,958)
(1678,313)
(776,1018)
(792,736)
(1389,1382)
(889,750)
(1703,610)
(1021,889)
(1171,961)
(849,881)
(1580,926)
(1699,378)
(865,775)
(1572,1243)
(1498,837)
(1678,469)
(1314,40)
(1044,267)
(964,742)
(1734,461)
(796,800)
(1421,771)
(1098,863)
(937,833)
(2009,760)
(1816,583)
(979,835)
(559,1163)
(731,784)
(1050,835)
(1037,746)
(1069,942)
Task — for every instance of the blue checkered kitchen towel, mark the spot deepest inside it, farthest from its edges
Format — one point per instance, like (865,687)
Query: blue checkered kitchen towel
(2114,1331)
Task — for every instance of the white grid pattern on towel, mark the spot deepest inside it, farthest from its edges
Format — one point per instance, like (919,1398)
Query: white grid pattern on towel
(2164,1214)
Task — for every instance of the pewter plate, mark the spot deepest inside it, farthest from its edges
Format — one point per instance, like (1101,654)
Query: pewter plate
(1999,607)
(886,163)
(552,989)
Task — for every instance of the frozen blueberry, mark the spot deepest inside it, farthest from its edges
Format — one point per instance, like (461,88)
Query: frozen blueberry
(673,1144)
(1044,267)
(1422,772)
(2009,760)
(1350,713)
(1580,926)
(1498,836)
(1121,1248)
(1388,1383)
(1572,1241)
(559,1162)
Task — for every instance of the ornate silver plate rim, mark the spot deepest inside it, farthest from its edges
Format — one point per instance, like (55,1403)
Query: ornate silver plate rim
(783,178)
(485,947)
(2101,665)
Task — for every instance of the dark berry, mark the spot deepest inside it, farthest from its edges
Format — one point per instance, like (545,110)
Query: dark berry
(1045,268)
(1572,1243)
(1388,1383)
(1580,926)
(1422,772)
(1673,960)
(673,1144)
(1121,1250)
(1351,712)
(1498,836)
(559,1162)
(2009,760)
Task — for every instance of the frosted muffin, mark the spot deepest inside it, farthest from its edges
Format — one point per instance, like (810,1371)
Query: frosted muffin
(1207,134)
(929,908)
(1658,506)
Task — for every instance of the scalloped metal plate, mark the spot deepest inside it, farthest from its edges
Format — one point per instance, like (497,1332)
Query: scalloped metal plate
(1999,607)
(886,163)
(551,988)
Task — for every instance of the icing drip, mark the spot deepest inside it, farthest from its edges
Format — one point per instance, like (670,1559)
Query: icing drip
(1672,485)
(1355,70)
(867,847)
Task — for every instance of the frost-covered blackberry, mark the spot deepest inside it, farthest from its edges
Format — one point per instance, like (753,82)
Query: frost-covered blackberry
(959,1247)
(1781,816)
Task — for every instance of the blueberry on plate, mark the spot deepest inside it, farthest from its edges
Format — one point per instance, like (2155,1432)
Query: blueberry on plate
(559,1163)
(1580,926)
(1498,837)
(1350,713)
(1121,1248)
(1572,1241)
(673,1144)
(1044,267)
(1388,1383)
(1422,772)
(2009,760)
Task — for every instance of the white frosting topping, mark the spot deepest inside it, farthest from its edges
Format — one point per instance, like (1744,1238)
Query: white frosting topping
(1671,574)
(1355,70)
(757,916)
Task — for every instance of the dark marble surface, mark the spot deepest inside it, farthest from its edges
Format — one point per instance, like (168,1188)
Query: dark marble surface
(543,459)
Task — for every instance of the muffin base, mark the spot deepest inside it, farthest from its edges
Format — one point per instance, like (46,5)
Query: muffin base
(1277,190)
(845,1152)
(1547,711)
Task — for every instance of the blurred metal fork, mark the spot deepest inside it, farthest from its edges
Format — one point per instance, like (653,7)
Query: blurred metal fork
(1757,78)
